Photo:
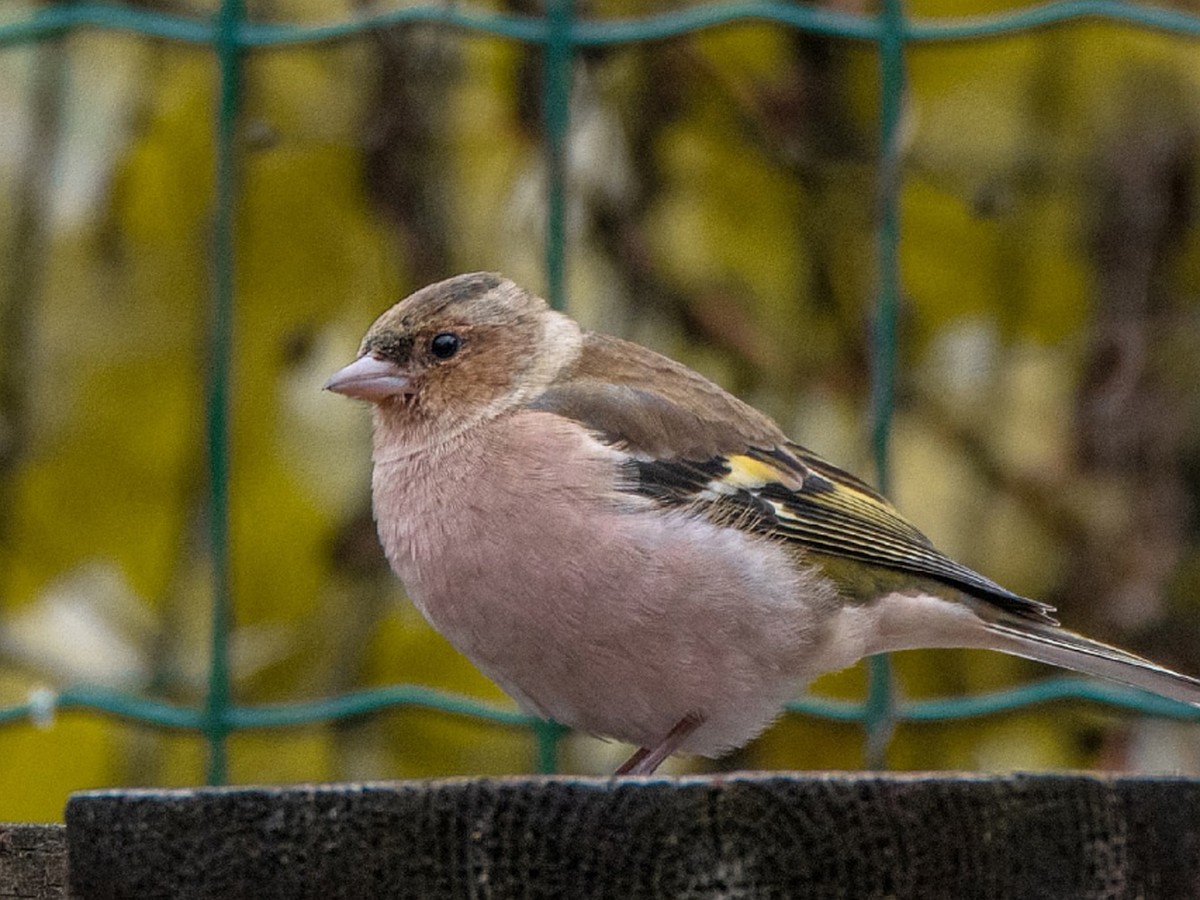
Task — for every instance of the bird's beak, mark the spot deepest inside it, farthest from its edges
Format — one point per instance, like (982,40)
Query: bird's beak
(368,378)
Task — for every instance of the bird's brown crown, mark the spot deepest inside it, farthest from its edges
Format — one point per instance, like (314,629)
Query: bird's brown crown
(479,300)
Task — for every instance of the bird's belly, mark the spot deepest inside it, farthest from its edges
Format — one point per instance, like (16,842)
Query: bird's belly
(627,625)
(615,621)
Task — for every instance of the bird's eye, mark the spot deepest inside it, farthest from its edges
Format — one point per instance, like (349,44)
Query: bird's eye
(445,345)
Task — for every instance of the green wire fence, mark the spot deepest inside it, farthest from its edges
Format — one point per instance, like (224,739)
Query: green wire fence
(230,35)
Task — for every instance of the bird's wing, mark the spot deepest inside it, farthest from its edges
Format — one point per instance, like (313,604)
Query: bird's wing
(691,444)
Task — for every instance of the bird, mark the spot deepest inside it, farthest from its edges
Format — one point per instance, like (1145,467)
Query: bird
(627,549)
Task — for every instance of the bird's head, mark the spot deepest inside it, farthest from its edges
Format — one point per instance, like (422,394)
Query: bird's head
(455,353)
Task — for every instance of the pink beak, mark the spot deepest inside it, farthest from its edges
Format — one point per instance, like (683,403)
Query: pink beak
(368,378)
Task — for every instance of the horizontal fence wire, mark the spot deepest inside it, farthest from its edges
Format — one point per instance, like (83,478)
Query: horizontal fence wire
(230,36)
(59,19)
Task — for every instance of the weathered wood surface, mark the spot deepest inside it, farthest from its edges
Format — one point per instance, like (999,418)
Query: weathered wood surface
(834,836)
(33,862)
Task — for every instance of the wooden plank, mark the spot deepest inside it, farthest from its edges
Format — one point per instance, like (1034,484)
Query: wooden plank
(840,835)
(33,862)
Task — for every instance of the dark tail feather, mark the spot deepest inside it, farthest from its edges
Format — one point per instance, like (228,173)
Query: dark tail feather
(1059,647)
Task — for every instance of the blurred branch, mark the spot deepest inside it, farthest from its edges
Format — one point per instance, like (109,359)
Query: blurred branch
(27,259)
(402,152)
(798,124)
(1129,418)
(1048,501)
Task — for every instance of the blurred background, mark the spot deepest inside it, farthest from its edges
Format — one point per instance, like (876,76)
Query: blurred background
(722,201)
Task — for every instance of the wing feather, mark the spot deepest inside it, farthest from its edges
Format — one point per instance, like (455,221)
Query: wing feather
(690,444)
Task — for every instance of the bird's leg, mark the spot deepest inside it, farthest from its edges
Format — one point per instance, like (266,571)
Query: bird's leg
(647,759)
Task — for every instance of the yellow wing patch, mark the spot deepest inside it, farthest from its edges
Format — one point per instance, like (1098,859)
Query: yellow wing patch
(749,473)
(753,474)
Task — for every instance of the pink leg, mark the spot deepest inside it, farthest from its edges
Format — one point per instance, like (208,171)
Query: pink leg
(646,760)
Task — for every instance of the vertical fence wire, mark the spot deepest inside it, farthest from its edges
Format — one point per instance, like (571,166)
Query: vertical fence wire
(880,707)
(216,713)
(557,54)
(557,59)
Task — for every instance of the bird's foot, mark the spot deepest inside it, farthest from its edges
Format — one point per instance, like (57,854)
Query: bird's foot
(647,759)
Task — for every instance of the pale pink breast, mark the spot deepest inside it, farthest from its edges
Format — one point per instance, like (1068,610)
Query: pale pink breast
(589,605)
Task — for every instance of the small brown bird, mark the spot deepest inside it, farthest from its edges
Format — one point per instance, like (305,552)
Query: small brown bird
(628,549)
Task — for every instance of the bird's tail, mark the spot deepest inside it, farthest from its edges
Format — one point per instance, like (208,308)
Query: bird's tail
(1057,646)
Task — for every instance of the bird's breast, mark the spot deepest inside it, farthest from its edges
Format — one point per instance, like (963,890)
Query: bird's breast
(588,605)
